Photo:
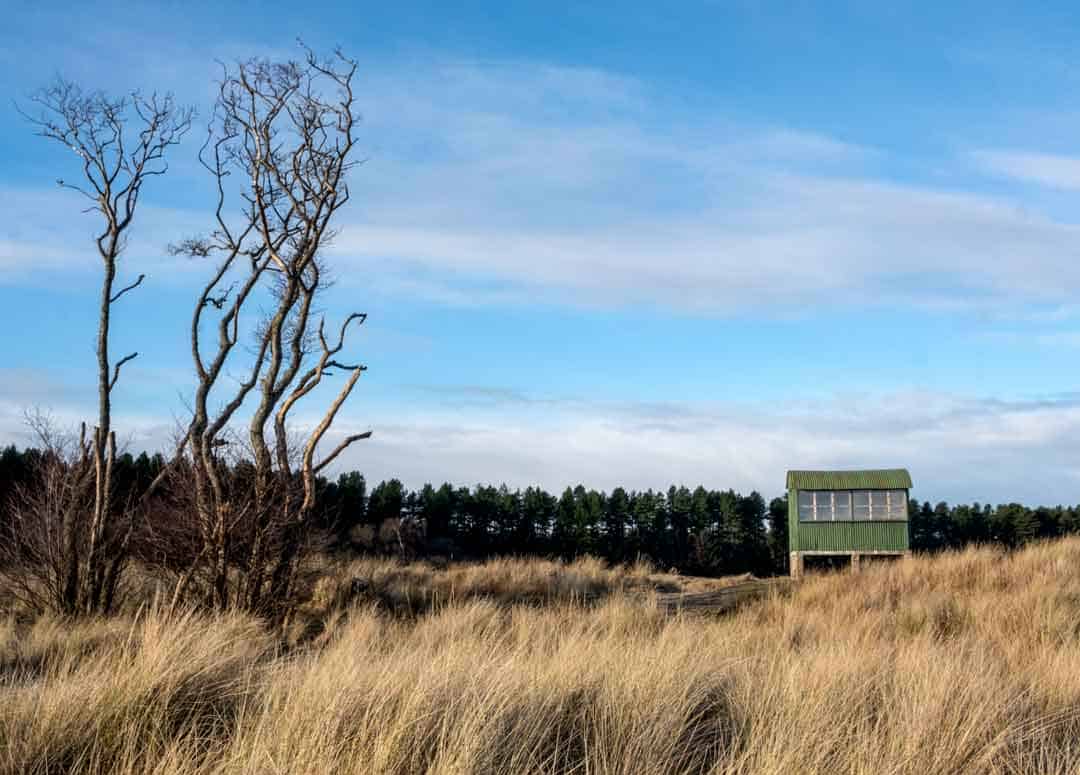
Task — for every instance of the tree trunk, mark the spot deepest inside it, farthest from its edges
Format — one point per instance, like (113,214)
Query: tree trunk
(104,442)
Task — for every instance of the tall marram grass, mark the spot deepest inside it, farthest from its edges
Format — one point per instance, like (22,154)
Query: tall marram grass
(965,663)
(420,586)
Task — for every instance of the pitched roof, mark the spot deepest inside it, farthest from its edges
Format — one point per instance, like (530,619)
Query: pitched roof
(879,479)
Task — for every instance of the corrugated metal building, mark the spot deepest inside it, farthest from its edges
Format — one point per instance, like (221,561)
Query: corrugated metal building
(852,513)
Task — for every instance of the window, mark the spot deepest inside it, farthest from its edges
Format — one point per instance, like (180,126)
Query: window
(897,504)
(823,506)
(848,505)
(842,505)
(861,499)
(879,504)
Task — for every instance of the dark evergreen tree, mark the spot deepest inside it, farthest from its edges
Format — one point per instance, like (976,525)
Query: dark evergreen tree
(537,516)
(679,503)
(753,551)
(778,534)
(351,501)
(565,533)
(386,502)
(616,520)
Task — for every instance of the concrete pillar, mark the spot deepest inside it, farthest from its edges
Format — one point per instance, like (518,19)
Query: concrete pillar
(796,565)
(855,556)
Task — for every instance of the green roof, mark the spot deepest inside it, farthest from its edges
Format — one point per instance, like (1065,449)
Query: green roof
(879,479)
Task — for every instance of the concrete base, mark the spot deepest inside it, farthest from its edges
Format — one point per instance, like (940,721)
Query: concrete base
(798,567)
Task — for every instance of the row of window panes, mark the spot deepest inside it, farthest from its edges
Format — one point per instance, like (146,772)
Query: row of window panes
(847,505)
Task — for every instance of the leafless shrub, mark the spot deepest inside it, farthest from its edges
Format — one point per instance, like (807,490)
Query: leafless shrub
(47,540)
(279,148)
(116,160)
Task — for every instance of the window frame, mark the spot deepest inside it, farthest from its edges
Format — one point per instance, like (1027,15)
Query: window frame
(818,506)
(872,505)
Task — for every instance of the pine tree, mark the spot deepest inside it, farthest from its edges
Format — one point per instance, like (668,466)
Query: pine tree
(778,534)
(616,519)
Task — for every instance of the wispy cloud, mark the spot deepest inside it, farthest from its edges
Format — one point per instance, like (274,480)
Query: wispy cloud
(957,447)
(49,236)
(507,184)
(514,183)
(795,240)
(1043,169)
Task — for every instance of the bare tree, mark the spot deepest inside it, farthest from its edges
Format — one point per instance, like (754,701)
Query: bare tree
(46,517)
(121,143)
(279,147)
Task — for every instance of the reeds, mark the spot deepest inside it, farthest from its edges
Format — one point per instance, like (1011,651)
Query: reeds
(963,663)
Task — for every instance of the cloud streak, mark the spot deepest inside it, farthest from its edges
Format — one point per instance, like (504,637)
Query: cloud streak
(572,193)
(1043,169)
(958,448)
(515,183)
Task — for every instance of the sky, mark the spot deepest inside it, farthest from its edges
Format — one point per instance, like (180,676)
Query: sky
(616,243)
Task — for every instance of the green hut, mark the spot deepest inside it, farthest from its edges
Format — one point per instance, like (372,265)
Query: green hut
(849,513)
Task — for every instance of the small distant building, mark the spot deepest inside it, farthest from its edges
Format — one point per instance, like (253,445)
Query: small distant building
(847,513)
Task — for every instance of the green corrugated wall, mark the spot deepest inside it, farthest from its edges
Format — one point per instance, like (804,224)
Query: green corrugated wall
(843,536)
(793,519)
(853,536)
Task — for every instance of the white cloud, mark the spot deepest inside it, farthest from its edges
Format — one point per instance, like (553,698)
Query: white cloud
(957,448)
(513,178)
(50,237)
(514,182)
(798,239)
(1044,169)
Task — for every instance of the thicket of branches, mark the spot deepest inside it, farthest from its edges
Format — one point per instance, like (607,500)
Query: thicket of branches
(230,510)
(279,149)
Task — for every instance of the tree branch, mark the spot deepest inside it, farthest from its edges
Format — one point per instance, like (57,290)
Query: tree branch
(116,368)
(349,440)
(125,289)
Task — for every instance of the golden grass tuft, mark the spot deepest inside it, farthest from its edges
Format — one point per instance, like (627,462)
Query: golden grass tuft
(963,663)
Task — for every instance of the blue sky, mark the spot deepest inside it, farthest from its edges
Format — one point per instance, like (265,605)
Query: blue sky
(622,243)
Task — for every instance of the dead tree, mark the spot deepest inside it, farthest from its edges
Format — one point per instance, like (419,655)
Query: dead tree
(279,148)
(45,518)
(121,143)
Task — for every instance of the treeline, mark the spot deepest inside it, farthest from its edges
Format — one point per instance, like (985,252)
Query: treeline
(934,528)
(699,531)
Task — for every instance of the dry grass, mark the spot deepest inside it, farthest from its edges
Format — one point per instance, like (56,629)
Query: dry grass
(967,663)
(420,587)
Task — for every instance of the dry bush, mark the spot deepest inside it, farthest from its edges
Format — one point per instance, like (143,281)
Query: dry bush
(59,552)
(417,587)
(965,663)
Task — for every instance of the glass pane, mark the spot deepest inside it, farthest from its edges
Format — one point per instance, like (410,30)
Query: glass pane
(823,504)
(842,503)
(897,504)
(806,505)
(862,504)
(879,504)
